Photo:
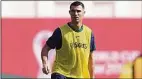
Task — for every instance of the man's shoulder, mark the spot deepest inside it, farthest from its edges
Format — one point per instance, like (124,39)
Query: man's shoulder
(63,25)
(137,58)
(60,27)
(87,27)
(57,29)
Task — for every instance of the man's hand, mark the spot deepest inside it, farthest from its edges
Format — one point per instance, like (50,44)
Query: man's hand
(45,69)
(44,54)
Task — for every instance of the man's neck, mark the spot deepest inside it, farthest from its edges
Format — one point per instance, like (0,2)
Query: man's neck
(76,26)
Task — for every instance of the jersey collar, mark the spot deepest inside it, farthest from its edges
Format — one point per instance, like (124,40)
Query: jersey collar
(74,29)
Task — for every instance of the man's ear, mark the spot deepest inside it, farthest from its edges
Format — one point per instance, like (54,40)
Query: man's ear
(69,11)
(84,12)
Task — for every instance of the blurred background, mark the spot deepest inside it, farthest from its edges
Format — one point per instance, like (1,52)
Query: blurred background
(26,25)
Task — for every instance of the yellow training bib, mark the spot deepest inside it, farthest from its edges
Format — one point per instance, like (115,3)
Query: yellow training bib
(72,58)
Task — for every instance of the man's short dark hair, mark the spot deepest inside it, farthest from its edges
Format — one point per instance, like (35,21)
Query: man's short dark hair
(77,3)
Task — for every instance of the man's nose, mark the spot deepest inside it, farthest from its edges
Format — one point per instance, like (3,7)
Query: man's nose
(75,13)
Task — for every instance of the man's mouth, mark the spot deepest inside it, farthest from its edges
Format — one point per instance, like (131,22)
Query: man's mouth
(76,17)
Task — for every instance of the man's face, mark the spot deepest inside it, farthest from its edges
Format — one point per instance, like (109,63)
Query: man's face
(77,13)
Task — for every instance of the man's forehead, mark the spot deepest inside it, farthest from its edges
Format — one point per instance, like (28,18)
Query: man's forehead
(77,7)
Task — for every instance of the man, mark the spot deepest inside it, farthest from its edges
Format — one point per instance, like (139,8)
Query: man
(137,67)
(126,71)
(132,70)
(74,44)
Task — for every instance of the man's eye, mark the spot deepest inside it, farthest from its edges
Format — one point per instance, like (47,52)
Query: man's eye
(75,10)
(78,10)
(72,10)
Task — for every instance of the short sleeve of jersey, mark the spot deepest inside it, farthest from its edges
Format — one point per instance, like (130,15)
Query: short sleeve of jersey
(92,43)
(55,40)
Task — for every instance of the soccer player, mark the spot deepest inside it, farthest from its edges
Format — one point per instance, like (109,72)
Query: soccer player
(132,70)
(74,44)
(137,67)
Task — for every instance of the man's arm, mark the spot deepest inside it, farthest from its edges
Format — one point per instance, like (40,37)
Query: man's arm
(51,43)
(92,48)
(44,57)
(90,65)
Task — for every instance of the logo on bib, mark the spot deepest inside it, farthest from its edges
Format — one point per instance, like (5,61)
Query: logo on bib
(78,45)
